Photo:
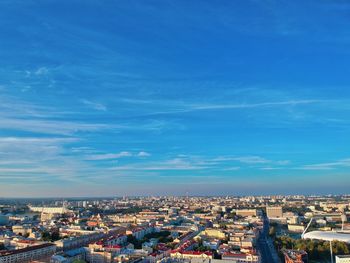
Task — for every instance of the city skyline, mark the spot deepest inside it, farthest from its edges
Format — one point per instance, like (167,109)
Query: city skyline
(169,98)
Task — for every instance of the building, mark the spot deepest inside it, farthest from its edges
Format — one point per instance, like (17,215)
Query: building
(211,232)
(296,228)
(78,241)
(99,256)
(241,257)
(295,256)
(21,230)
(246,212)
(191,254)
(328,236)
(69,256)
(28,254)
(140,232)
(274,212)
(342,259)
(49,210)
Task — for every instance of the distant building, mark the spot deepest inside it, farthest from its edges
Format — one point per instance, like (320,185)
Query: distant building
(49,210)
(295,256)
(21,230)
(246,212)
(274,212)
(296,228)
(342,259)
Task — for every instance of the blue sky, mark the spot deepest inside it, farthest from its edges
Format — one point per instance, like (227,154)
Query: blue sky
(172,97)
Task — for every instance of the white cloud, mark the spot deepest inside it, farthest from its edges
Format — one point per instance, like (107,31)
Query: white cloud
(171,164)
(41,71)
(143,154)
(232,168)
(94,105)
(49,126)
(252,105)
(107,156)
(243,159)
(327,166)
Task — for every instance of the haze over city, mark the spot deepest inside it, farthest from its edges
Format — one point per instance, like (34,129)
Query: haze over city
(113,98)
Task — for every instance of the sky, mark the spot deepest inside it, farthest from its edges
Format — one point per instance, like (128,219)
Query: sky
(161,97)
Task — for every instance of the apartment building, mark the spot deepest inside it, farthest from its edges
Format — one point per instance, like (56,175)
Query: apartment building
(28,254)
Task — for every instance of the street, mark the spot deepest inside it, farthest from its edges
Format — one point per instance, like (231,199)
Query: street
(265,246)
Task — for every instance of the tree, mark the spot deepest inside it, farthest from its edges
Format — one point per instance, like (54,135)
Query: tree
(272,231)
(45,236)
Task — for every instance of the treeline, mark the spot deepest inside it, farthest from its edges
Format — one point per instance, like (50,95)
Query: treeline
(316,249)
(50,236)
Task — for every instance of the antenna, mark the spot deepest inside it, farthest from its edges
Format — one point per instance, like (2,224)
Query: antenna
(331,250)
(343,220)
(308,225)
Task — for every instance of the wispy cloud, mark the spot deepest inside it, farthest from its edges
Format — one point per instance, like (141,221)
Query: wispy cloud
(243,159)
(37,156)
(50,126)
(252,105)
(41,71)
(327,166)
(143,154)
(254,161)
(108,156)
(94,105)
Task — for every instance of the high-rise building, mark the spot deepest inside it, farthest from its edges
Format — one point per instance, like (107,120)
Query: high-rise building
(274,211)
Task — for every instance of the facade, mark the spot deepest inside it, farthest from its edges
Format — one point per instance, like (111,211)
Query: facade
(191,255)
(274,212)
(296,228)
(241,257)
(216,233)
(99,256)
(79,241)
(28,254)
(246,212)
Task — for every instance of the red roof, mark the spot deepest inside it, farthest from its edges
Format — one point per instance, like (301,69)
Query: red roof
(114,246)
(208,253)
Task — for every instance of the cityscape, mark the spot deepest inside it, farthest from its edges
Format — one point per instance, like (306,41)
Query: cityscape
(174,229)
(163,131)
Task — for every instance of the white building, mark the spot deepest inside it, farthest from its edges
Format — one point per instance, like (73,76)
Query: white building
(328,236)
(49,210)
(342,259)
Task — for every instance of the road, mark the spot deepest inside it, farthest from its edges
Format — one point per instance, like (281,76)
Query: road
(265,245)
